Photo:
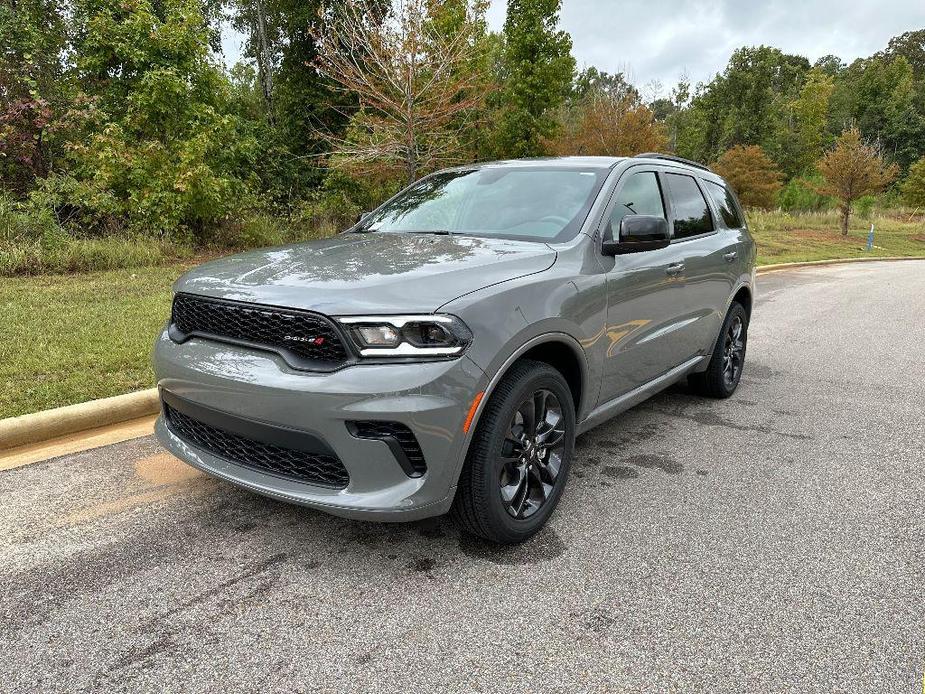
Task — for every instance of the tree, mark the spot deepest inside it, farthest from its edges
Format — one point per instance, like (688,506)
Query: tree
(607,125)
(853,169)
(32,87)
(913,188)
(150,138)
(745,105)
(808,120)
(878,96)
(295,103)
(911,46)
(593,82)
(537,70)
(409,76)
(752,174)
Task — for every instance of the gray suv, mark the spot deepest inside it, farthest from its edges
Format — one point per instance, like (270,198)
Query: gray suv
(442,355)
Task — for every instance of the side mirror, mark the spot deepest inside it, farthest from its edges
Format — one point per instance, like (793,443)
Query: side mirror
(639,233)
(361,217)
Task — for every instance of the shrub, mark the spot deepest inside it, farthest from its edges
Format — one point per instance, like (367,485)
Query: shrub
(32,242)
(18,222)
(799,195)
(913,188)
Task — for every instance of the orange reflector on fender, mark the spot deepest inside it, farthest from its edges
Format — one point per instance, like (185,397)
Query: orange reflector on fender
(472,409)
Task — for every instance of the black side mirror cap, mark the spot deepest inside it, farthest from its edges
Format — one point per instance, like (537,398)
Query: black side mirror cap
(639,233)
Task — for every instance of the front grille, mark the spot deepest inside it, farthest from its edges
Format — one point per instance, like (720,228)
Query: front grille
(306,340)
(401,440)
(314,468)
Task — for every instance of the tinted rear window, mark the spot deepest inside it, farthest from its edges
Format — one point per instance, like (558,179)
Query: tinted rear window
(726,202)
(689,209)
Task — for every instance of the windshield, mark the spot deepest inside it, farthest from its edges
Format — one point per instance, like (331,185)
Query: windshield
(530,203)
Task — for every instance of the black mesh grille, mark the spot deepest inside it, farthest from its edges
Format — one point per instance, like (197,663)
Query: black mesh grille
(306,340)
(325,470)
(401,434)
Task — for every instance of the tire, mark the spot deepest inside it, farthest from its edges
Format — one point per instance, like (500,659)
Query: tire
(721,378)
(507,491)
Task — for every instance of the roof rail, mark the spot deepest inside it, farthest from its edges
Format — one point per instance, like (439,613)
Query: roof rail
(671,157)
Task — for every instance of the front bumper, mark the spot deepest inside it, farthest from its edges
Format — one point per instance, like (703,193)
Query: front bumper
(432,399)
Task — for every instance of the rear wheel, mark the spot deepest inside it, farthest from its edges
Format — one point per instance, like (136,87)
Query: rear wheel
(721,378)
(519,457)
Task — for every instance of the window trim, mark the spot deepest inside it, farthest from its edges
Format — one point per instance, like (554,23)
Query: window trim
(706,199)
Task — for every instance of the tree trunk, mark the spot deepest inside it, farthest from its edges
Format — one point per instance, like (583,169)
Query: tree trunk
(845,214)
(264,61)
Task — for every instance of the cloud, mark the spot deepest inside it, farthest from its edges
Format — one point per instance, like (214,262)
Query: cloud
(660,39)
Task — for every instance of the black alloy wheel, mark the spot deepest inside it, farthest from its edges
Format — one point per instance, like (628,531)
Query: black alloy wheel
(518,460)
(531,454)
(727,362)
(734,351)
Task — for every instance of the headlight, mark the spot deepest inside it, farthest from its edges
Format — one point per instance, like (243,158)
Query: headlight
(408,336)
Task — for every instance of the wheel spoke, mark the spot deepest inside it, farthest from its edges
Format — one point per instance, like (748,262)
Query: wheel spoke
(539,409)
(736,330)
(528,412)
(520,498)
(551,438)
(518,482)
(512,446)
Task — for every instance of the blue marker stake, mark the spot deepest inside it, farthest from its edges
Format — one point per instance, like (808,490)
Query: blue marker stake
(870,238)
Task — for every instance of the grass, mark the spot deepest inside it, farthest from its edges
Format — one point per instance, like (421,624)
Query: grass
(789,238)
(71,338)
(77,337)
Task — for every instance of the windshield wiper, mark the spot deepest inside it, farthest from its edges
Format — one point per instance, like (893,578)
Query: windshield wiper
(435,232)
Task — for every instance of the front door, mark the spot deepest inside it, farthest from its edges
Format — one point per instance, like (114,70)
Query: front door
(645,293)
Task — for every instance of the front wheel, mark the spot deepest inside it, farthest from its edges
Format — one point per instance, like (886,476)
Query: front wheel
(721,378)
(519,457)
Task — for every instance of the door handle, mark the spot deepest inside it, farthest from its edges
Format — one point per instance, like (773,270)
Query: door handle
(729,257)
(675,269)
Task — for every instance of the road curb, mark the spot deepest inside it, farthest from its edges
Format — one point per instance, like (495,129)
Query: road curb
(836,261)
(62,421)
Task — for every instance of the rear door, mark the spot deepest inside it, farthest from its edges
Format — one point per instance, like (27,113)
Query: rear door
(645,293)
(708,251)
(711,266)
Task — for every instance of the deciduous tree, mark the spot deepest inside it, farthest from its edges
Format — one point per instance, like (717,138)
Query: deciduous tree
(752,174)
(808,117)
(853,169)
(412,80)
(605,125)
(537,70)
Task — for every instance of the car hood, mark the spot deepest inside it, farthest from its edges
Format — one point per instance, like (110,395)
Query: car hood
(368,273)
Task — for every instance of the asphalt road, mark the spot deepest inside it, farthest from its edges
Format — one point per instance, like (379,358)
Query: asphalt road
(772,542)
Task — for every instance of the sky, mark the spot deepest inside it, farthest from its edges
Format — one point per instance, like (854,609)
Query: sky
(658,40)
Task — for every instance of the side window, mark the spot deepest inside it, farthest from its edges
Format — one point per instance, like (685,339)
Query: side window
(689,209)
(640,194)
(726,202)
